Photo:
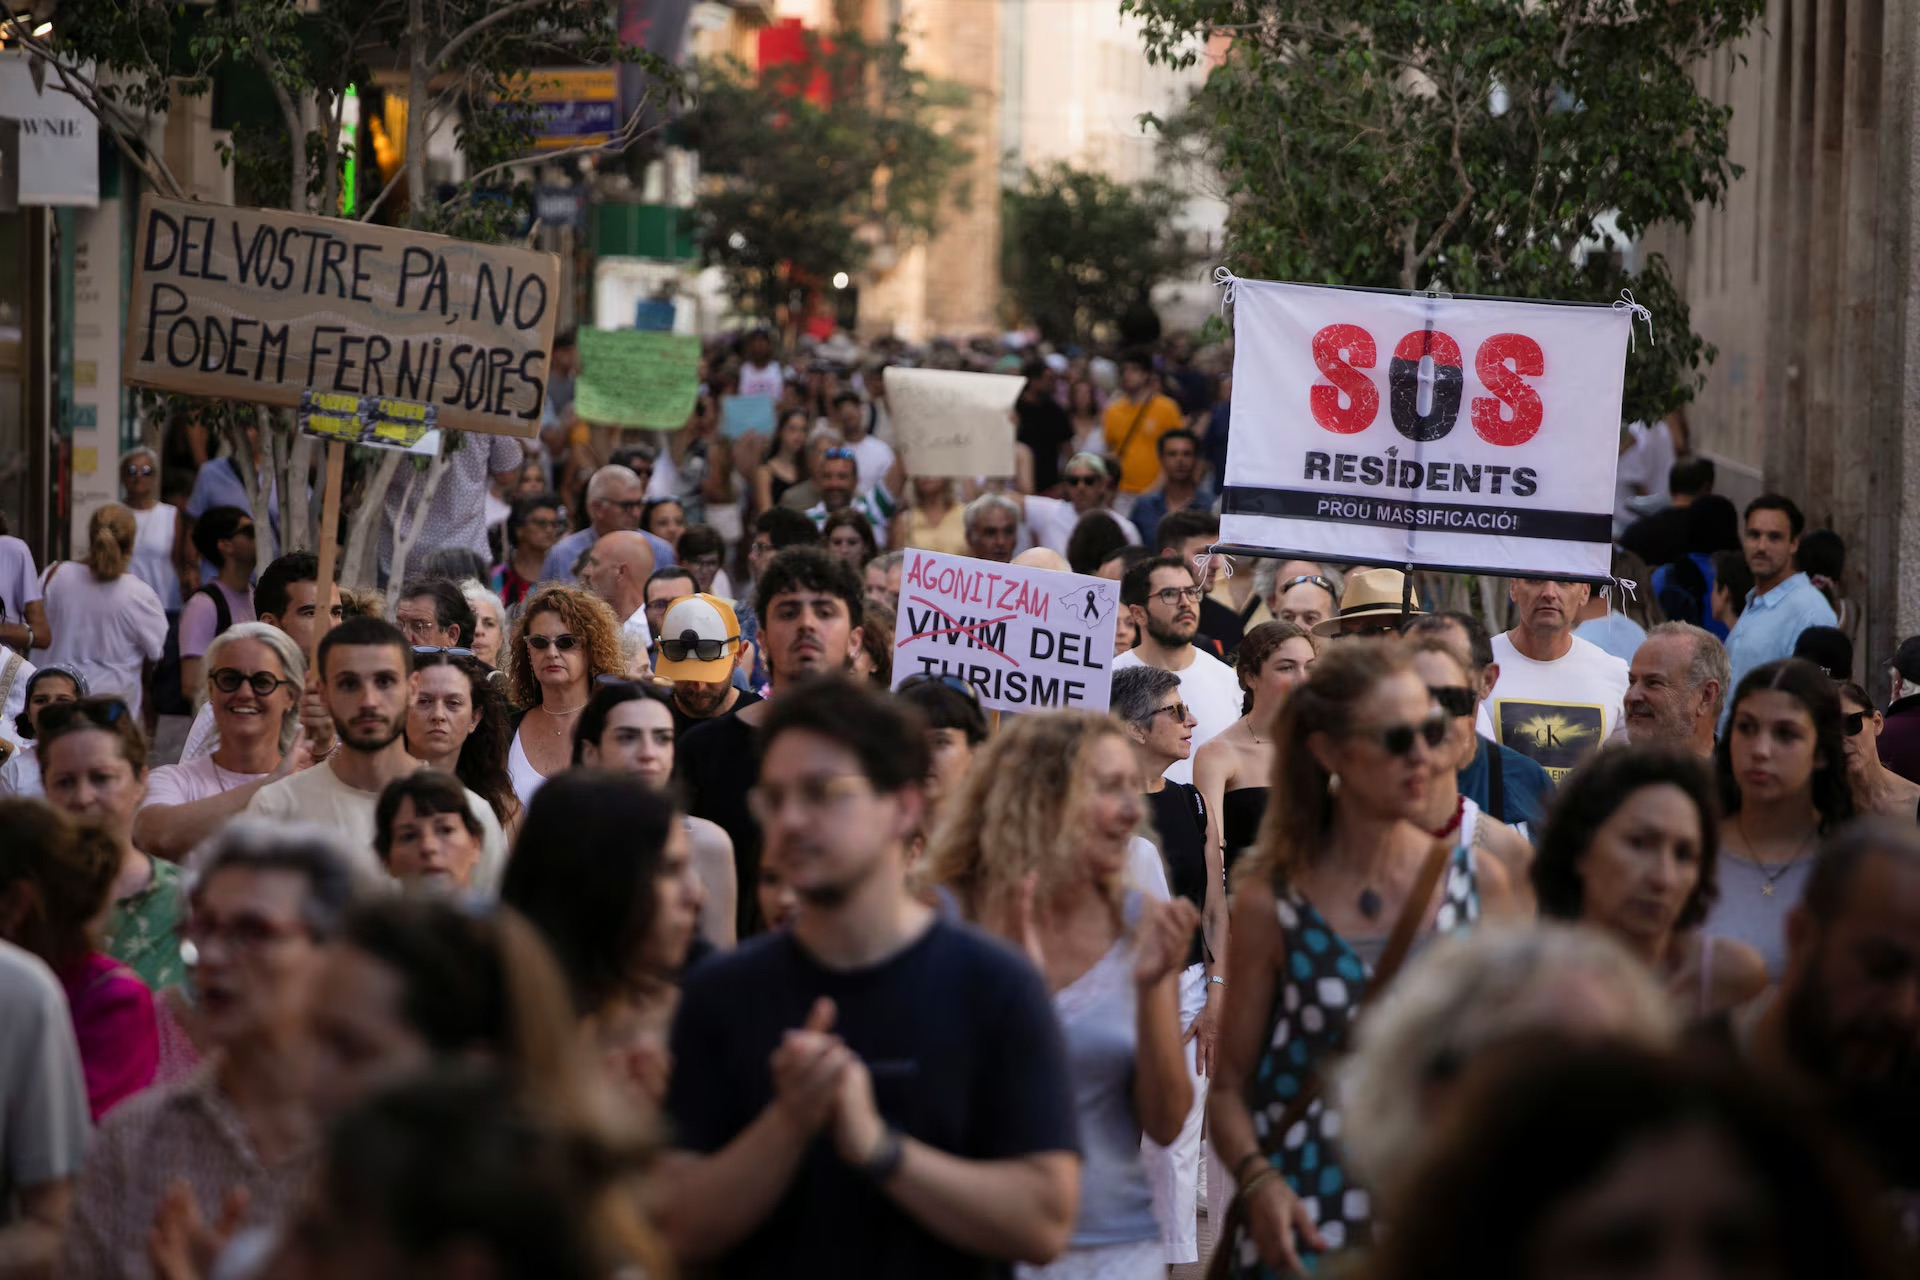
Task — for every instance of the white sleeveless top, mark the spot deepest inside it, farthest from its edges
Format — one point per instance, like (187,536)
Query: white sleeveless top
(526,779)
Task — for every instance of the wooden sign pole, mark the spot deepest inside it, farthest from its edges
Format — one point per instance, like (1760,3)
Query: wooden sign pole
(329,550)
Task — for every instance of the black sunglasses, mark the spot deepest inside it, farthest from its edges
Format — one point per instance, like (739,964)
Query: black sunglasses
(263,683)
(1079,481)
(1454,699)
(564,643)
(138,469)
(704,650)
(1855,722)
(1398,739)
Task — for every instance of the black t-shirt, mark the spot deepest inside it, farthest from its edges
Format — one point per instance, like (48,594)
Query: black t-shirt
(718,765)
(965,1054)
(1043,427)
(683,724)
(1180,816)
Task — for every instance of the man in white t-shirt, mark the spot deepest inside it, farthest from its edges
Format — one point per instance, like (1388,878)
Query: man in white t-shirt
(1088,480)
(1164,600)
(872,454)
(617,570)
(364,668)
(1558,697)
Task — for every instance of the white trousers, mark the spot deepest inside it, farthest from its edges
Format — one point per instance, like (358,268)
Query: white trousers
(1174,1170)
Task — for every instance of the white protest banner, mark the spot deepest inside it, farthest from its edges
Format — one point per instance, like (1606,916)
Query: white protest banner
(950,423)
(251,304)
(1452,433)
(1028,639)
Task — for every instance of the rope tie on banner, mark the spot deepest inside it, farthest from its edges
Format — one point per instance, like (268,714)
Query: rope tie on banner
(1224,277)
(1204,563)
(1627,585)
(1635,311)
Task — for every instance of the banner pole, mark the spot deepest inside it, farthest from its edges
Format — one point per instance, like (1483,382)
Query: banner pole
(1406,593)
(329,551)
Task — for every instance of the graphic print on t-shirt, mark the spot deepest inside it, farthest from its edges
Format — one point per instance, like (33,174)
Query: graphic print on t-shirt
(1555,735)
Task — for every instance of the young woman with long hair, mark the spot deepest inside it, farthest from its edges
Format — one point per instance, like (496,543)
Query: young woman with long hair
(457,723)
(786,465)
(1231,768)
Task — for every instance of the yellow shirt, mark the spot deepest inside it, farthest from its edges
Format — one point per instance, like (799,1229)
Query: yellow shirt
(949,535)
(1141,462)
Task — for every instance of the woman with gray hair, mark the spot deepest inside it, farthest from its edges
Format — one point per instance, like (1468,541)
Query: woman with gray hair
(1467,996)
(264,901)
(156,524)
(254,676)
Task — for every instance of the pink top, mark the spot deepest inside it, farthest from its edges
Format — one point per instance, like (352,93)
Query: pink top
(114,1021)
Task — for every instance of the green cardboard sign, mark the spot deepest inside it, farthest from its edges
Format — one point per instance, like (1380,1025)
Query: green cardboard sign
(633,378)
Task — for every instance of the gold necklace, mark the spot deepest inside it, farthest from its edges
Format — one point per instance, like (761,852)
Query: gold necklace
(559,730)
(1770,879)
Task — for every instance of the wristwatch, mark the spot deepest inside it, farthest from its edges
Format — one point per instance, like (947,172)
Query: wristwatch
(884,1158)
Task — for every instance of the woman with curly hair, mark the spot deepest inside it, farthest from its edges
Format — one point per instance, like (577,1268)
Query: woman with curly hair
(562,642)
(1037,848)
(1632,848)
(457,723)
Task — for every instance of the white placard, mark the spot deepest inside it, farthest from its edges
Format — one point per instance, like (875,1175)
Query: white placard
(950,423)
(1027,639)
(1381,428)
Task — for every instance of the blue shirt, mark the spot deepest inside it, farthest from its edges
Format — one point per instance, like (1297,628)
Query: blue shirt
(1770,625)
(567,552)
(1616,633)
(1149,509)
(1526,787)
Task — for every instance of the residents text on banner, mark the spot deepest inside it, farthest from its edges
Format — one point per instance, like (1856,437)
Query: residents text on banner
(1027,639)
(1383,428)
(250,304)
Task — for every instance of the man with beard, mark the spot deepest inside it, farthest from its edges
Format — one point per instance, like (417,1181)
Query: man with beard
(1558,697)
(1164,601)
(1675,685)
(1784,602)
(1845,1021)
(364,665)
(694,627)
(875,1090)
(810,608)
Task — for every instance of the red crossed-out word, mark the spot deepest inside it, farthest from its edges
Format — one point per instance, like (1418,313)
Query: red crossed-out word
(971,630)
(1503,364)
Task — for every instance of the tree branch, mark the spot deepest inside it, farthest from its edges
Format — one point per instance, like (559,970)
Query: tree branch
(453,46)
(629,134)
(1467,189)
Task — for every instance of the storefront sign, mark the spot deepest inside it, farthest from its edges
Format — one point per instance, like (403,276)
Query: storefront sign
(59,143)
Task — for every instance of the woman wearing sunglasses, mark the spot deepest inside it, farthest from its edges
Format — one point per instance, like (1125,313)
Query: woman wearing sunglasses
(1876,788)
(1314,905)
(565,638)
(1782,768)
(254,676)
(1632,847)
(1449,814)
(457,724)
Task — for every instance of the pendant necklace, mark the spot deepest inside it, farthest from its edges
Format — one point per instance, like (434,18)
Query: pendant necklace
(1771,878)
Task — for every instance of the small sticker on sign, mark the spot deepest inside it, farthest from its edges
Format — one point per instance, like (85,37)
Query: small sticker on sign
(378,421)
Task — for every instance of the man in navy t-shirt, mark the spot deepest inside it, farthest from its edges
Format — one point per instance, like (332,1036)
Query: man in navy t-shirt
(876,1091)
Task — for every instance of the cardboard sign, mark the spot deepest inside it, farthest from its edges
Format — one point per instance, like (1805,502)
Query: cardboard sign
(1378,428)
(1027,639)
(950,423)
(746,415)
(633,379)
(250,304)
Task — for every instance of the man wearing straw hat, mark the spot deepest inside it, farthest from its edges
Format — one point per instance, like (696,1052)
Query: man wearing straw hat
(1371,605)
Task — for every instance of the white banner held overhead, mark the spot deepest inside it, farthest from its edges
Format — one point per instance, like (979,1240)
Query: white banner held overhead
(950,423)
(1382,428)
(1027,639)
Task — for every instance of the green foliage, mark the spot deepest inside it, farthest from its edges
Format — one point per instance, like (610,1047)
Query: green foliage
(1077,249)
(799,189)
(1474,146)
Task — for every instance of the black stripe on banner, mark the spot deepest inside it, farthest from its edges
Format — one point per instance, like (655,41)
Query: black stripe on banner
(1411,514)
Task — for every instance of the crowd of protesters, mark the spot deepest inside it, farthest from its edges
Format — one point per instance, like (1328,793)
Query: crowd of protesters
(589,902)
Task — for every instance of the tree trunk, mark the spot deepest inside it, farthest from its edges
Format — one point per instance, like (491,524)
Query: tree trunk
(418,499)
(357,562)
(419,77)
(297,525)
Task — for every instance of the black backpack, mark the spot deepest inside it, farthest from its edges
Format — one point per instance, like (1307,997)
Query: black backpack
(169,699)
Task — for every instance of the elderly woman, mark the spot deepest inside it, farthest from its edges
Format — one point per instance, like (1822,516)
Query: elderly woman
(1466,997)
(1342,870)
(47,687)
(1037,846)
(265,901)
(1876,788)
(489,621)
(254,677)
(563,640)
(1632,847)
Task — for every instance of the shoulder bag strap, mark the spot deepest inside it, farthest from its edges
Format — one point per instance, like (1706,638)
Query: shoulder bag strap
(1496,783)
(1120,454)
(1412,913)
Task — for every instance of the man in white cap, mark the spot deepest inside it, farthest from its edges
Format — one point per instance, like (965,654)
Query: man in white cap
(699,650)
(1558,697)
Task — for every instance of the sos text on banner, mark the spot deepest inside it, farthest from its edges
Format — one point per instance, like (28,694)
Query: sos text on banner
(1454,433)
(1027,639)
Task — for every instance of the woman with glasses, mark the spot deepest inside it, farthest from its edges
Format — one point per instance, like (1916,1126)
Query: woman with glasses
(604,870)
(457,724)
(156,523)
(105,622)
(1449,814)
(1782,768)
(535,524)
(1339,858)
(1875,788)
(254,676)
(1036,847)
(1632,847)
(95,757)
(47,687)
(57,875)
(1232,768)
(563,640)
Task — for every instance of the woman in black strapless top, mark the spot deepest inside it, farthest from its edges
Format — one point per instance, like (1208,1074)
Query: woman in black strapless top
(1231,769)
